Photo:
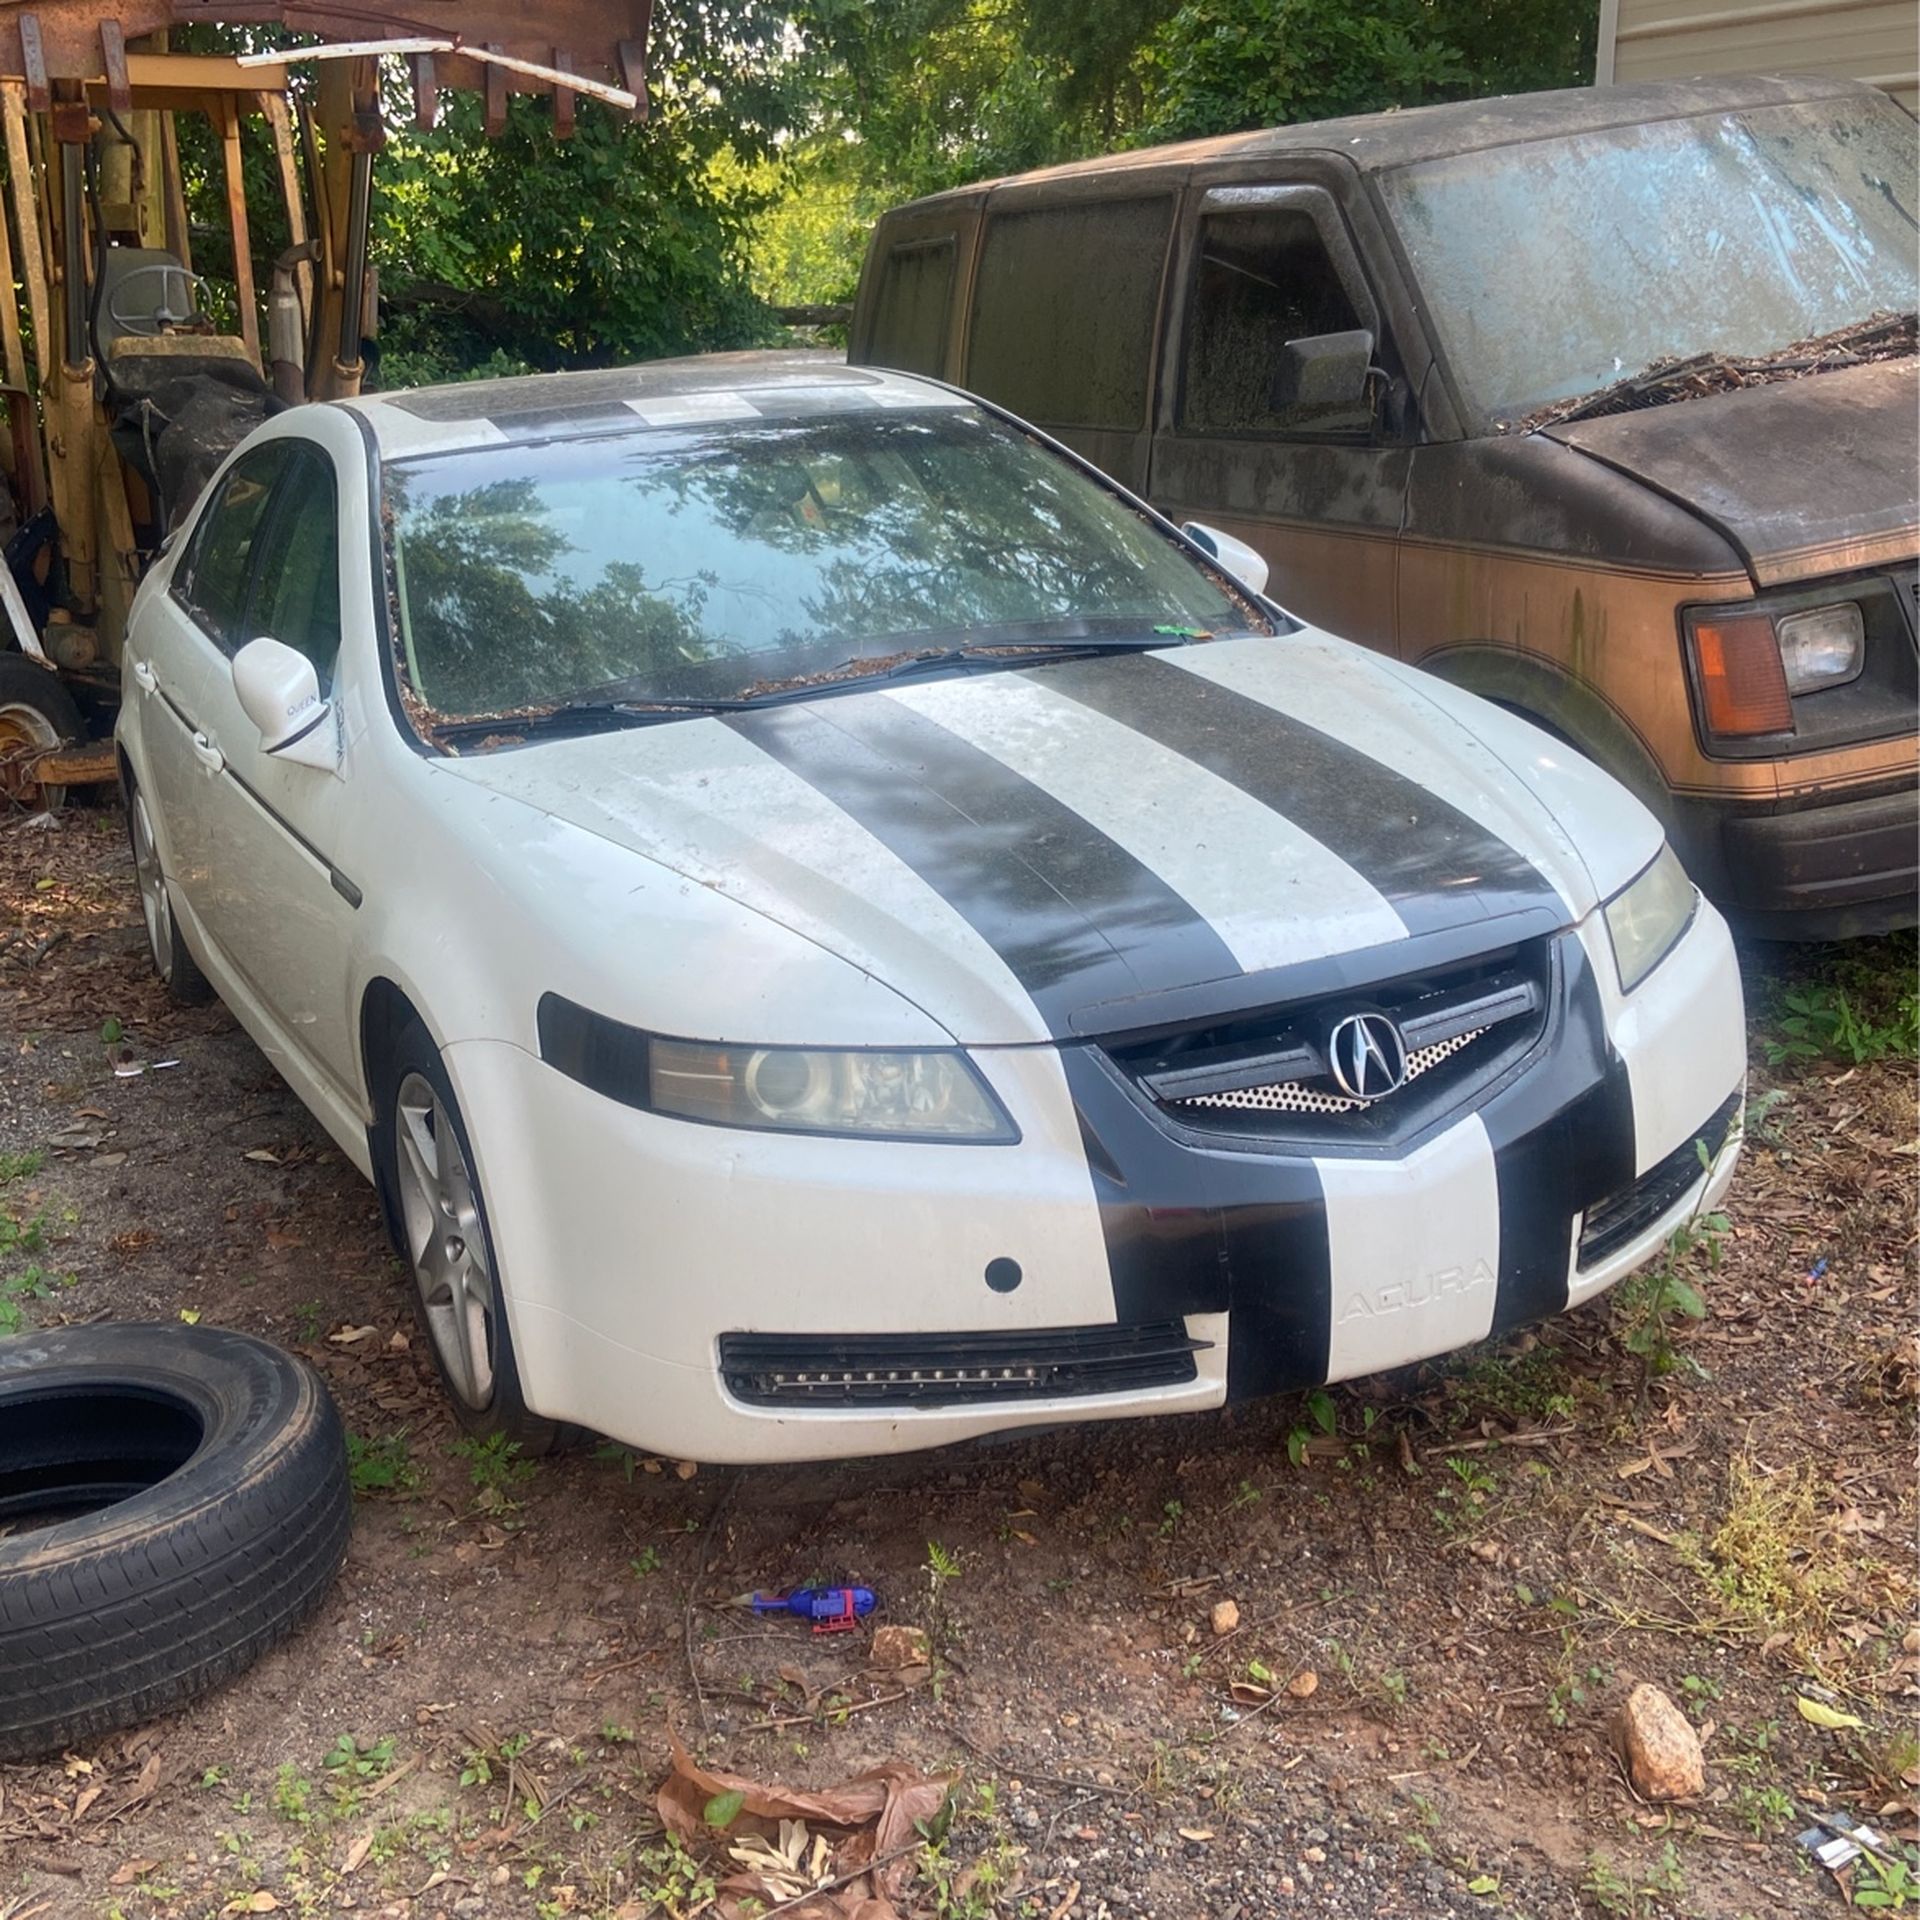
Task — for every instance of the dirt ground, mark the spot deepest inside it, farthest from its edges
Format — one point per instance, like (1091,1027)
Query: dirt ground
(1445,1582)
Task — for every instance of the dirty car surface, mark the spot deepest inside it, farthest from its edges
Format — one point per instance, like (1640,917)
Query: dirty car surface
(835,930)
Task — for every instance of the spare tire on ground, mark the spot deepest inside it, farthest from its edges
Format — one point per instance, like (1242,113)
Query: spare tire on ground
(174,1500)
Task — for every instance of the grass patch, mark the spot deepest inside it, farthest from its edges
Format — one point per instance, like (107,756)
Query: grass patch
(1861,1002)
(1770,1565)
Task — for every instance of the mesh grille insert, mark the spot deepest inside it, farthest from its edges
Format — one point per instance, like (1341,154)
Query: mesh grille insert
(1317,1096)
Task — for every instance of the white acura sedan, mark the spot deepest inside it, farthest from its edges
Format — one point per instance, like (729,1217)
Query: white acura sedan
(834,929)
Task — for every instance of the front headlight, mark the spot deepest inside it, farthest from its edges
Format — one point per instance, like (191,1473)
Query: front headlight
(932,1095)
(1822,647)
(1648,915)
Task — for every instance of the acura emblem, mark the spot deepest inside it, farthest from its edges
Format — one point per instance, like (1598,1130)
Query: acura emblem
(1368,1056)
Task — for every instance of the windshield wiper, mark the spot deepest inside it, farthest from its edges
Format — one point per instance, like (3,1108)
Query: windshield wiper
(582,716)
(863,668)
(645,710)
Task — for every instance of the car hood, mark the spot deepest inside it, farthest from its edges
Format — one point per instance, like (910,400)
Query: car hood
(1085,847)
(1804,477)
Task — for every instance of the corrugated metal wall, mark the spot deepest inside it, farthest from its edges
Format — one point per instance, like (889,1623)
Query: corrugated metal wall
(1876,40)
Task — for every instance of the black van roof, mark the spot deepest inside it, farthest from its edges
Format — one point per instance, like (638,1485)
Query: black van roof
(1376,140)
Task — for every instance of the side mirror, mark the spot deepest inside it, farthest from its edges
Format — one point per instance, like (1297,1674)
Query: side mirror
(279,692)
(1234,556)
(1323,370)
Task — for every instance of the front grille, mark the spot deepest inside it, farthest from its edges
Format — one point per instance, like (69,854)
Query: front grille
(1303,1096)
(1622,1217)
(949,1369)
(1268,1074)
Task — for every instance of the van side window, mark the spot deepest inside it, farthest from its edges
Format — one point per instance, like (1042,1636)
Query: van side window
(910,309)
(1064,310)
(1264,278)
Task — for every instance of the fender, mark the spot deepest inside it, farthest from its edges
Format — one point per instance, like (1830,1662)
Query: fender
(1544,693)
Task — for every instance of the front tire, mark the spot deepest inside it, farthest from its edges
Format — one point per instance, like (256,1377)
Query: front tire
(438,1220)
(179,971)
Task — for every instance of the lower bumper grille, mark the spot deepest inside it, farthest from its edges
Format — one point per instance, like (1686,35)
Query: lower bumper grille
(1624,1216)
(950,1369)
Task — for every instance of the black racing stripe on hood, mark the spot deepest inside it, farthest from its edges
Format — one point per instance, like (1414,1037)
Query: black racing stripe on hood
(1075,916)
(1423,854)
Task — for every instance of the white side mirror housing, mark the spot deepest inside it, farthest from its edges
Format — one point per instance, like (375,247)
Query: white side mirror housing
(1234,556)
(279,692)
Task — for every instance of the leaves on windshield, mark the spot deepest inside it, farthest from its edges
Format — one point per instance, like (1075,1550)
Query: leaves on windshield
(1886,336)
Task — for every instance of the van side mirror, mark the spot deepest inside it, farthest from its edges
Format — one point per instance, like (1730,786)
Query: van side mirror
(279,692)
(1322,370)
(1233,556)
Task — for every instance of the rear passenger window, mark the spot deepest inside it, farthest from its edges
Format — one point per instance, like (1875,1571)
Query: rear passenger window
(910,309)
(212,582)
(1064,311)
(1264,278)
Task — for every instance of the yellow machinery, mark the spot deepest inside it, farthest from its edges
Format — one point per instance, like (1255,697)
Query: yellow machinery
(121,394)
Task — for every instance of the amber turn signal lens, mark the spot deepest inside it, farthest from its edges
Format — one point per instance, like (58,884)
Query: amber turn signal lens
(1743,686)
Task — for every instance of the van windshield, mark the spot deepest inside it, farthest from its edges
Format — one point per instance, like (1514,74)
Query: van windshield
(1558,267)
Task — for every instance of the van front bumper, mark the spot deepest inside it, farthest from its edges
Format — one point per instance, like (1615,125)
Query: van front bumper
(1824,871)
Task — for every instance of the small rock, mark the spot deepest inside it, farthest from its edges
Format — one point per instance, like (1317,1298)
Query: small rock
(1662,1750)
(468,1907)
(686,1469)
(1225,1616)
(1304,1685)
(1910,1640)
(1317,1855)
(900,1647)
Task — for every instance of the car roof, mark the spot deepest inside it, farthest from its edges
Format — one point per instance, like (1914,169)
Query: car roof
(698,390)
(1374,141)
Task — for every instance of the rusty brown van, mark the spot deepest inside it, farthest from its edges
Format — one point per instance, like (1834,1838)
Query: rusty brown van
(1599,403)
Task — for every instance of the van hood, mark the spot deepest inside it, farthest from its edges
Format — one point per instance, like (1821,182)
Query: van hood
(1804,477)
(1089,846)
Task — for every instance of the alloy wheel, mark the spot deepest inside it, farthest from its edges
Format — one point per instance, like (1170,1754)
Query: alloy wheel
(155,908)
(446,1240)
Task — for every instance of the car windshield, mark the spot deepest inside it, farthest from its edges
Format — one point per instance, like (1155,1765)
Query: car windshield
(719,561)
(1558,267)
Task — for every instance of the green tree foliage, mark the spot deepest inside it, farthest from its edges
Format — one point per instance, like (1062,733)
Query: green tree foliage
(1216,66)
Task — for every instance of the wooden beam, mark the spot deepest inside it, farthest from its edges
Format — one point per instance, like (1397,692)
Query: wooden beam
(280,125)
(113,59)
(495,120)
(243,287)
(179,242)
(563,97)
(26,211)
(426,92)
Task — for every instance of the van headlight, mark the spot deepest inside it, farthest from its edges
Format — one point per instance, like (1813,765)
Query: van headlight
(1647,917)
(930,1095)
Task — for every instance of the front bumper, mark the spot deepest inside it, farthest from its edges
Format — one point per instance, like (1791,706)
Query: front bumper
(630,1246)
(1829,870)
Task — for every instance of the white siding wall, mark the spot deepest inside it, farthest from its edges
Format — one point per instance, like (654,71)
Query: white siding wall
(1874,40)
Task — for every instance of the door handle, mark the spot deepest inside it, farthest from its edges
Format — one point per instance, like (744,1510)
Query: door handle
(208,754)
(145,678)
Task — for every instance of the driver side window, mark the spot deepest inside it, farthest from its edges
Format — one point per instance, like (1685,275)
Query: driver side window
(213,580)
(1264,278)
(296,579)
